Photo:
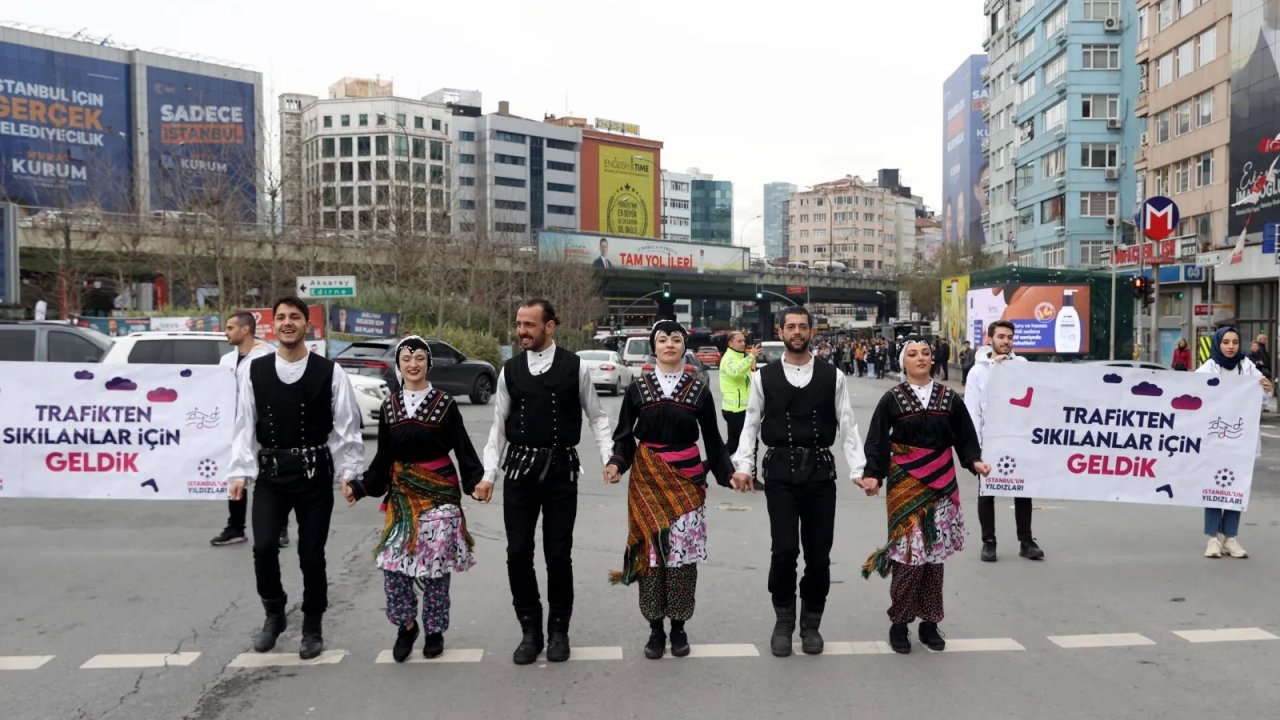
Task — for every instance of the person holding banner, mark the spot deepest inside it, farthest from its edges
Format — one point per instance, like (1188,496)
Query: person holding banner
(1220,525)
(297,425)
(661,418)
(908,448)
(424,539)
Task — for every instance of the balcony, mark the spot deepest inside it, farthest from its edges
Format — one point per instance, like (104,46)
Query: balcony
(1140,106)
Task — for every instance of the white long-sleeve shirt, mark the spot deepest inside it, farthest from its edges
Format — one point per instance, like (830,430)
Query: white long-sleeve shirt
(975,388)
(233,359)
(799,376)
(539,363)
(345,442)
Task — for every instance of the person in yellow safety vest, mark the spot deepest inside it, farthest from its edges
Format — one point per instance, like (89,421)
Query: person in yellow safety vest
(736,366)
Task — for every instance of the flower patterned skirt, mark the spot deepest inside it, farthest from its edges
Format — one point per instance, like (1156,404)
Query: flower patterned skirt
(688,540)
(441,548)
(950,523)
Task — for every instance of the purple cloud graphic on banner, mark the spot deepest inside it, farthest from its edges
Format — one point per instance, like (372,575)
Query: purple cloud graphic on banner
(162,395)
(185,373)
(1213,382)
(1186,402)
(119,383)
(1112,378)
(84,375)
(1147,389)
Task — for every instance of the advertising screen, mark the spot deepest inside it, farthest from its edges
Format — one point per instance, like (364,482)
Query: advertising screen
(1046,318)
(1255,116)
(366,323)
(65,129)
(607,252)
(203,144)
(964,164)
(626,191)
(954,298)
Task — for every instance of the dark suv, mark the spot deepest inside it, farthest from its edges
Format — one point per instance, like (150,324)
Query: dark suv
(36,341)
(451,371)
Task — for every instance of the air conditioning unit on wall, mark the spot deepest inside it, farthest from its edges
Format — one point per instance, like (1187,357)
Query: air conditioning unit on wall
(1111,174)
(1111,24)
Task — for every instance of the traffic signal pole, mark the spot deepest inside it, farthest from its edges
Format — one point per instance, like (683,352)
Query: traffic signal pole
(1155,313)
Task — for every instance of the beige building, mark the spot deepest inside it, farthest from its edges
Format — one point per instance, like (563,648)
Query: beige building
(847,221)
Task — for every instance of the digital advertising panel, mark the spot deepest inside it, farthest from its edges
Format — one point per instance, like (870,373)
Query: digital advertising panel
(365,323)
(1255,116)
(65,129)
(1049,319)
(203,143)
(628,253)
(954,298)
(626,191)
(964,99)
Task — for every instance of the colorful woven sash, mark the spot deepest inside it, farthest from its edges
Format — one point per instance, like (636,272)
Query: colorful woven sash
(657,495)
(918,477)
(415,489)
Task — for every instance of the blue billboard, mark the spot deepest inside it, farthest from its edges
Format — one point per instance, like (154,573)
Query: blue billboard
(65,129)
(964,165)
(203,143)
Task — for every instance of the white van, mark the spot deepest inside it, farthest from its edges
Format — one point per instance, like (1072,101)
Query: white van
(636,352)
(796,265)
(833,266)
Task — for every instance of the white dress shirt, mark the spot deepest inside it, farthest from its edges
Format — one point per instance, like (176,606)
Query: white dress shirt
(799,376)
(413,398)
(539,363)
(232,359)
(667,382)
(345,442)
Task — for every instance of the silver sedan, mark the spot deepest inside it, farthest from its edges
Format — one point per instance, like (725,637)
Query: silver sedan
(607,370)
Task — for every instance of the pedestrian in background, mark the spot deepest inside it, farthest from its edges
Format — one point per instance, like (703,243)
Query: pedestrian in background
(1182,355)
(967,359)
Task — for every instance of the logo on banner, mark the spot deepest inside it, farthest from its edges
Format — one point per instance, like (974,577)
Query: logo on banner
(1002,477)
(1224,430)
(1224,478)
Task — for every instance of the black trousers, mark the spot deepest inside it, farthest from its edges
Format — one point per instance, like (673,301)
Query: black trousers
(734,421)
(237,510)
(311,501)
(556,499)
(987,517)
(801,516)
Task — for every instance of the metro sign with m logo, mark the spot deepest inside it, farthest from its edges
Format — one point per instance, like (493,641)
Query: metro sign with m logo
(1159,217)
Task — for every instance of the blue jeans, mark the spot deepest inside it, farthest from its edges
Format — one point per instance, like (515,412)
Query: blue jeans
(1217,521)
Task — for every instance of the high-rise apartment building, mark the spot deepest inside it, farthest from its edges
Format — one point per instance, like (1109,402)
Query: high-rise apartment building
(677,201)
(711,209)
(776,197)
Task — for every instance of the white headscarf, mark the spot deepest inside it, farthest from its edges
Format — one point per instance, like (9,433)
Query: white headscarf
(902,354)
(408,340)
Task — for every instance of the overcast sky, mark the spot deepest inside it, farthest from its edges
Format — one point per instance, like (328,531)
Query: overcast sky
(799,91)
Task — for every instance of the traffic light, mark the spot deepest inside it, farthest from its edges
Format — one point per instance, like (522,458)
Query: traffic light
(759,292)
(666,291)
(1139,287)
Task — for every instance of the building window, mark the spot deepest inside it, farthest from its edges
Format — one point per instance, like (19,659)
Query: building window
(402,120)
(1164,14)
(344,147)
(1204,170)
(561,187)
(510,205)
(1186,58)
(464,181)
(1097,204)
(402,146)
(1026,89)
(1163,123)
(380,145)
(509,227)
(363,146)
(466,159)
(419,123)
(328,173)
(1051,209)
(1207,46)
(466,204)
(1182,176)
(383,194)
(346,196)
(437,150)
(1182,117)
(419,149)
(1055,22)
(561,210)
(1054,164)
(509,136)
(364,195)
(1098,155)
(1026,47)
(1143,24)
(508,159)
(466,136)
(346,121)
(562,145)
(1204,108)
(327,147)
(1185,7)
(1164,70)
(1101,9)
(1025,175)
(1026,132)
(1100,57)
(1055,256)
(382,119)
(331,220)
(364,120)
(437,174)
(562,166)
(419,173)
(1055,116)
(1095,253)
(364,171)
(402,171)
(1097,107)
(435,124)
(509,182)
(328,121)
(1055,68)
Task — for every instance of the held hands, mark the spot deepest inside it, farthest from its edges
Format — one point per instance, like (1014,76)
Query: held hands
(982,468)
(869,485)
(742,482)
(611,474)
(1266,384)
(235,490)
(348,493)
(483,492)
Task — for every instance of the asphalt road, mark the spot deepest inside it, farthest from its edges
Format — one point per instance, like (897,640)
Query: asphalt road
(122,583)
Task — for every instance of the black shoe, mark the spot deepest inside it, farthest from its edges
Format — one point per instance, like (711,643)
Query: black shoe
(988,551)
(404,643)
(275,624)
(679,639)
(783,627)
(1030,550)
(228,537)
(284,537)
(434,646)
(312,637)
(810,639)
(657,645)
(531,640)
(900,638)
(557,639)
(930,636)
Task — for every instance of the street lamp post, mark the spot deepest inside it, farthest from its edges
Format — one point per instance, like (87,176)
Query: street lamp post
(742,231)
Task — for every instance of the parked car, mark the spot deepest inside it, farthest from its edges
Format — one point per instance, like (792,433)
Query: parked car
(636,351)
(710,355)
(1139,364)
(451,371)
(691,362)
(607,370)
(41,341)
(161,347)
(770,351)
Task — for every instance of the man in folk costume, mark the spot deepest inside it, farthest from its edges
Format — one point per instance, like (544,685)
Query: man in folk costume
(663,413)
(541,396)
(909,444)
(425,539)
(798,407)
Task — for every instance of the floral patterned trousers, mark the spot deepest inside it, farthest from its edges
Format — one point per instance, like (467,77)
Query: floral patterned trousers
(402,600)
(915,592)
(668,592)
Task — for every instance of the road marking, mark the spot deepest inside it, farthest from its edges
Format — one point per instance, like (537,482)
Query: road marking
(261,660)
(1225,635)
(1274,437)
(449,656)
(140,660)
(723,651)
(595,653)
(23,662)
(868,647)
(983,645)
(1100,640)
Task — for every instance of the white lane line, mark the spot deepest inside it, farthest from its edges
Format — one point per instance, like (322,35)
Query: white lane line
(449,656)
(24,662)
(867,647)
(134,661)
(983,645)
(595,653)
(723,651)
(1225,635)
(261,660)
(1274,437)
(1101,640)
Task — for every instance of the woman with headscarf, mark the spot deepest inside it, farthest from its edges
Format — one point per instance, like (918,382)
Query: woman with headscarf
(425,539)
(662,415)
(1225,356)
(908,448)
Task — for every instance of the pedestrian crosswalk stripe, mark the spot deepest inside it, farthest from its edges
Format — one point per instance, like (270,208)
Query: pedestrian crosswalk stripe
(261,660)
(23,662)
(1225,635)
(723,651)
(140,660)
(1100,640)
(870,647)
(595,653)
(1267,434)
(449,656)
(983,645)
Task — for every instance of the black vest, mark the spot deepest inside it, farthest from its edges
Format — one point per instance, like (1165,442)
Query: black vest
(799,417)
(546,410)
(297,415)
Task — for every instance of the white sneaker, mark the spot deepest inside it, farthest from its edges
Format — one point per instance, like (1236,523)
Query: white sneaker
(1233,548)
(1214,549)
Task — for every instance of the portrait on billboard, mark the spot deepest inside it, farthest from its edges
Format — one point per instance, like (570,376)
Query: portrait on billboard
(1255,114)
(602,260)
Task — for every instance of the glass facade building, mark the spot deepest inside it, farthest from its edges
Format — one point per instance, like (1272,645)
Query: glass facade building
(711,211)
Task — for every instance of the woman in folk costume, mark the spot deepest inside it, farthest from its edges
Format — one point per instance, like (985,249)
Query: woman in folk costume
(908,447)
(425,539)
(656,438)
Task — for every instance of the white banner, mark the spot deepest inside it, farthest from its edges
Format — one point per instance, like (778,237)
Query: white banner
(631,253)
(1095,432)
(138,432)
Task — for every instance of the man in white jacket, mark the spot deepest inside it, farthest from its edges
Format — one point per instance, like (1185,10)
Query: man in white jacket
(999,349)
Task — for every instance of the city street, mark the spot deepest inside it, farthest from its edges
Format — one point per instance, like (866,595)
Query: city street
(119,610)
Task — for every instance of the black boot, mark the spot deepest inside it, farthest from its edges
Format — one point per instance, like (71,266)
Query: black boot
(810,639)
(434,646)
(657,644)
(930,636)
(273,626)
(900,638)
(988,550)
(780,642)
(557,638)
(1030,550)
(679,639)
(404,643)
(312,637)
(531,641)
